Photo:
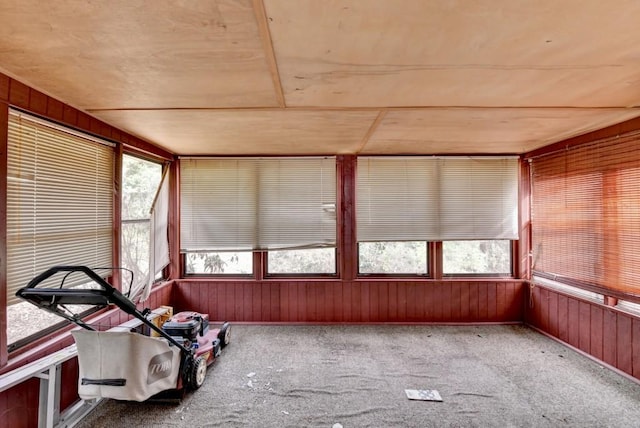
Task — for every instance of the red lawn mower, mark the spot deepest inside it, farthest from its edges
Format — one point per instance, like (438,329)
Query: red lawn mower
(124,364)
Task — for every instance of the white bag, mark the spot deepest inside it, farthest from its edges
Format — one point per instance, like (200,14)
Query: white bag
(124,365)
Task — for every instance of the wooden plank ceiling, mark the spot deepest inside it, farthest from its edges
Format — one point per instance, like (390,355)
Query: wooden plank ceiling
(270,77)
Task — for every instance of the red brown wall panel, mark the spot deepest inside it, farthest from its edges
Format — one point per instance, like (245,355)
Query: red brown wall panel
(360,301)
(602,332)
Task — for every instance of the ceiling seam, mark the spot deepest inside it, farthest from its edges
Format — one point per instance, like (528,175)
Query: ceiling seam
(360,108)
(270,55)
(371,130)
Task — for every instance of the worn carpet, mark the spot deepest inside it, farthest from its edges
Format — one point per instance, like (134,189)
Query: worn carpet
(356,376)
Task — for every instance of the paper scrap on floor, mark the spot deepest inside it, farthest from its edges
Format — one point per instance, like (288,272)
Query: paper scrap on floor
(423,394)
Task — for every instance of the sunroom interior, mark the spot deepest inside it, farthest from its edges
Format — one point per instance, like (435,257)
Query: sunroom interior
(334,162)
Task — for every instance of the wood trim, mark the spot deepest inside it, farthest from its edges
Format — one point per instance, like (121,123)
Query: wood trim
(347,245)
(521,258)
(270,56)
(434,253)
(117,216)
(175,260)
(19,94)
(259,265)
(5,82)
(4,123)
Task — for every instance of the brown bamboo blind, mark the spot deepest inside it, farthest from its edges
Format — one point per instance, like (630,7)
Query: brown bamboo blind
(586,214)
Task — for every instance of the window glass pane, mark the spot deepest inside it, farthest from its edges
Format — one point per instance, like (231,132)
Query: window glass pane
(238,263)
(476,257)
(140,181)
(317,260)
(135,254)
(25,319)
(393,257)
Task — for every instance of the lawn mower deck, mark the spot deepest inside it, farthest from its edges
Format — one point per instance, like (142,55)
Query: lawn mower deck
(192,330)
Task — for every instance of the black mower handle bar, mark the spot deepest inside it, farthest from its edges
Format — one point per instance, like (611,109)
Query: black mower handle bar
(111,293)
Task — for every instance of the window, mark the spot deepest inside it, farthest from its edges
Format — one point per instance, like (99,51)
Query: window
(140,181)
(584,215)
(401,258)
(303,262)
(231,205)
(402,201)
(235,263)
(59,211)
(487,257)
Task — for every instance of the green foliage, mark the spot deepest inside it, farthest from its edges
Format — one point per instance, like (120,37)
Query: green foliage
(211,262)
(469,257)
(393,257)
(232,263)
(318,260)
(140,181)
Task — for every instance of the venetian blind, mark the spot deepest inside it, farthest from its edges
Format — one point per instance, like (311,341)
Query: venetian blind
(59,201)
(586,214)
(436,199)
(257,204)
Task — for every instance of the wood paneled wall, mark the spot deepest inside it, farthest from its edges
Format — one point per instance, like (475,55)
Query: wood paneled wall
(358,301)
(603,332)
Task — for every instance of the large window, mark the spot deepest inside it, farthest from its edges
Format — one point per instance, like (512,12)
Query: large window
(140,182)
(401,201)
(59,211)
(585,215)
(235,205)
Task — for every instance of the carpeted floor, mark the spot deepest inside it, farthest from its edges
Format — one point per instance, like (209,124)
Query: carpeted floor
(356,376)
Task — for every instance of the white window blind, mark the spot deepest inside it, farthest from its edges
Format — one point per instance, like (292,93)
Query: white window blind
(478,198)
(394,199)
(158,238)
(59,201)
(436,199)
(257,204)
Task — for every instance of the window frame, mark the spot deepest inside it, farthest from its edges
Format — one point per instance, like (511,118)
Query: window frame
(511,167)
(164,169)
(260,256)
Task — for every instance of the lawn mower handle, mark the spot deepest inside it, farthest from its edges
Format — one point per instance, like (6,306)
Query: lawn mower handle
(111,293)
